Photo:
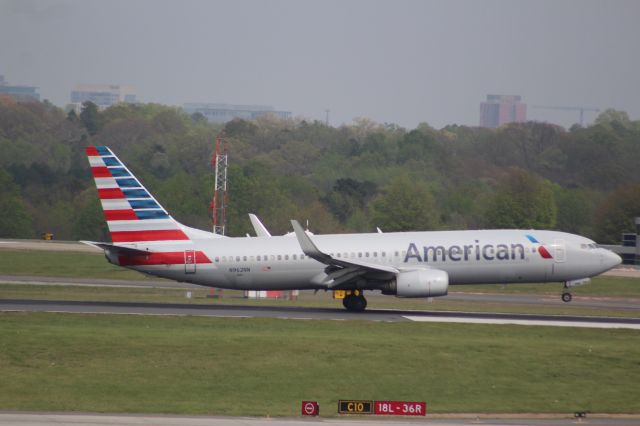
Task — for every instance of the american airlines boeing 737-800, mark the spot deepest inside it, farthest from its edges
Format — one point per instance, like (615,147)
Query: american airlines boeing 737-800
(405,264)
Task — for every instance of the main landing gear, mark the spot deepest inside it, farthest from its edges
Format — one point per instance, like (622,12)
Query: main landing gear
(355,302)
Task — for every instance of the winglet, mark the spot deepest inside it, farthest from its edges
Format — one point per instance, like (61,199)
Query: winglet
(307,246)
(261,230)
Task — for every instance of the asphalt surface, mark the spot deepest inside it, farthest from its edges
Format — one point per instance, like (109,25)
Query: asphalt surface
(526,299)
(40,419)
(305,313)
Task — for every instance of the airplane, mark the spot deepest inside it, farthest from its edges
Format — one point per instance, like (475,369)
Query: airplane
(424,264)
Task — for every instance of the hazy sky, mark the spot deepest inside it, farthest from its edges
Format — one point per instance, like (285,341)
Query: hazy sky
(397,61)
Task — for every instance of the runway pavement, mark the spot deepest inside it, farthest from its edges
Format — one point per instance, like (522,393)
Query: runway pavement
(41,419)
(526,299)
(304,313)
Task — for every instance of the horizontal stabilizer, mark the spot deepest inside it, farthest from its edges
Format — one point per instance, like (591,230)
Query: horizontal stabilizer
(118,250)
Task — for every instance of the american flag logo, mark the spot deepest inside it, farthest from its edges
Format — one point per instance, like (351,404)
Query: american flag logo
(266,268)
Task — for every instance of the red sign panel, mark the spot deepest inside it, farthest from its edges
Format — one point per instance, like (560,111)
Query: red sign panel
(400,408)
(310,408)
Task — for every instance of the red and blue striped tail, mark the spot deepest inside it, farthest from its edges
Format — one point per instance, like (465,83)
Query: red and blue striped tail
(131,212)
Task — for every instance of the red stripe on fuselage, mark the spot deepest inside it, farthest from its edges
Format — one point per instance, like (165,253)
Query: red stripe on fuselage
(168,258)
(92,151)
(110,193)
(100,172)
(159,235)
(120,215)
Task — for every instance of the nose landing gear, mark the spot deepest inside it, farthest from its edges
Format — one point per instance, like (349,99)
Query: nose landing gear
(566,296)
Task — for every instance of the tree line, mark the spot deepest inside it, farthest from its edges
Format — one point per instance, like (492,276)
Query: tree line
(351,178)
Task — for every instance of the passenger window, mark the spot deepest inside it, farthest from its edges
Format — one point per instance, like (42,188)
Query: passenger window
(375,254)
(366,254)
(383,254)
(359,254)
(237,258)
(279,257)
(396,254)
(224,258)
(286,257)
(244,258)
(258,258)
(217,259)
(295,257)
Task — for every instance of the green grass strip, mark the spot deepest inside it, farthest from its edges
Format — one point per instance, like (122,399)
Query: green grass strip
(190,365)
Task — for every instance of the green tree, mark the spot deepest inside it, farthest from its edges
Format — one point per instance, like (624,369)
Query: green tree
(522,200)
(617,213)
(576,209)
(405,205)
(88,218)
(15,220)
(90,117)
(611,116)
(348,196)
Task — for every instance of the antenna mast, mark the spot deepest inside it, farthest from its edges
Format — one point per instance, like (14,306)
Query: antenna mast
(219,201)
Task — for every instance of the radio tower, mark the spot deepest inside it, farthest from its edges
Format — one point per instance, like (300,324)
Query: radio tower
(219,201)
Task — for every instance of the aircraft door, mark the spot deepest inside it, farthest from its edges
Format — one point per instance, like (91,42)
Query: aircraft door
(560,252)
(189,262)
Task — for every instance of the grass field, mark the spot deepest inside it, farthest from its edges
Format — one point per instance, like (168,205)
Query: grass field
(62,264)
(265,367)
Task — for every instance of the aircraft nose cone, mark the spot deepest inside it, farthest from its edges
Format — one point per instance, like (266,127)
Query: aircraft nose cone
(611,259)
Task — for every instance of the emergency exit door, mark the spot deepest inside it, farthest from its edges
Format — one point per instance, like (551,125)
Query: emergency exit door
(189,262)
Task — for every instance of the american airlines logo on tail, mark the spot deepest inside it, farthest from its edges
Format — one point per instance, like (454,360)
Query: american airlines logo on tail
(132,214)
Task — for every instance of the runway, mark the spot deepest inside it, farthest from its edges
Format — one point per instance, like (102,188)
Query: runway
(526,299)
(72,419)
(304,313)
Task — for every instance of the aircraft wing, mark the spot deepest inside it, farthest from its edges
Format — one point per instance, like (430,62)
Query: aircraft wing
(340,271)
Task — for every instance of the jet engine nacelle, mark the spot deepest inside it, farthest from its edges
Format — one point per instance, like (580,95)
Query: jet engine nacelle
(422,283)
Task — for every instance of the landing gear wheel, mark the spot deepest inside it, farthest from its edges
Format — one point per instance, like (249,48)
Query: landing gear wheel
(355,303)
(346,301)
(566,297)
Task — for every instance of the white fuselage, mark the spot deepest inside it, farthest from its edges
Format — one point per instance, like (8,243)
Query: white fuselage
(468,257)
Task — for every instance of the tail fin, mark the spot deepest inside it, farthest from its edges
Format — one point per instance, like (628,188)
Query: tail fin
(131,212)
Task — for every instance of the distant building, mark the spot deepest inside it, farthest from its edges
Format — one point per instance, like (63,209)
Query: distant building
(502,109)
(19,93)
(103,95)
(221,113)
